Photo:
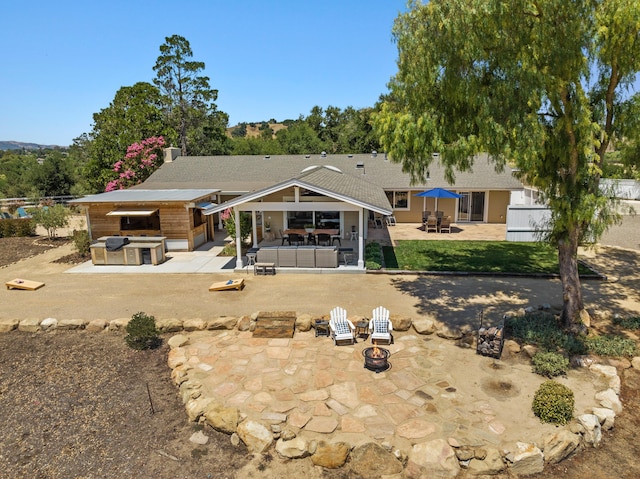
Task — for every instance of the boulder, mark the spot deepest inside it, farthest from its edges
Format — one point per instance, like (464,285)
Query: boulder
(29,325)
(7,325)
(331,455)
(592,430)
(71,324)
(296,448)
(169,325)
(452,333)
(256,436)
(97,325)
(527,459)
(635,362)
(48,324)
(560,445)
(177,341)
(222,418)
(434,458)
(512,346)
(610,373)
(606,417)
(244,323)
(492,463)
(609,399)
(303,322)
(529,350)
(194,324)
(400,323)
(424,325)
(371,460)
(119,324)
(196,407)
(222,322)
(199,438)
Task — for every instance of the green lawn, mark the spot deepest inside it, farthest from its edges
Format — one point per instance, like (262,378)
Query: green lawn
(473,256)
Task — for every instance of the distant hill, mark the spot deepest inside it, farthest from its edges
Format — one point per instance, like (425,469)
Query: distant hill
(253,128)
(18,145)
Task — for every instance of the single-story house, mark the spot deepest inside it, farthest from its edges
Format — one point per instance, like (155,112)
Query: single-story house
(186,195)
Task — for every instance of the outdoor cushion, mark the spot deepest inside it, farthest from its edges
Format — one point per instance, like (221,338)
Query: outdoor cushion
(342,327)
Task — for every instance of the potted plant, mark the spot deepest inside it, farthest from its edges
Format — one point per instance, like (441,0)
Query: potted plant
(267,226)
(309,227)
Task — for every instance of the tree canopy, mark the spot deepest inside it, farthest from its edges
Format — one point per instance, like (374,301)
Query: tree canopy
(187,96)
(539,84)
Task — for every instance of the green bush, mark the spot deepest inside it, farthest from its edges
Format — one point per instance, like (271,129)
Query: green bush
(632,322)
(616,346)
(543,330)
(17,227)
(553,403)
(372,265)
(142,332)
(52,218)
(81,242)
(373,255)
(550,364)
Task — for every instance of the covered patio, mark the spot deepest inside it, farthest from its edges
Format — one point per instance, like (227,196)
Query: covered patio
(321,201)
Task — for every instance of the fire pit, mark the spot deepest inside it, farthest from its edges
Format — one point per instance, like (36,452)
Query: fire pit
(375,359)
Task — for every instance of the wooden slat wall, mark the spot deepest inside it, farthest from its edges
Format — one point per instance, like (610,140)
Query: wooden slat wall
(175,220)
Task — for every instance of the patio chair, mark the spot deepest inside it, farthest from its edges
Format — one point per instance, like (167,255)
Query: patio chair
(445,224)
(285,237)
(431,224)
(391,220)
(380,326)
(342,330)
(425,216)
(294,238)
(324,239)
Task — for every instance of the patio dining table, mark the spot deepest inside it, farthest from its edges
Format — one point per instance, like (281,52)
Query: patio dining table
(316,231)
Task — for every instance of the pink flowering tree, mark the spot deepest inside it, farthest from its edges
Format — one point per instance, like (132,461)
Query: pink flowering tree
(230,224)
(141,160)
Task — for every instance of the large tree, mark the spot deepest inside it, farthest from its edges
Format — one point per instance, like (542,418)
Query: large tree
(188,98)
(134,114)
(537,83)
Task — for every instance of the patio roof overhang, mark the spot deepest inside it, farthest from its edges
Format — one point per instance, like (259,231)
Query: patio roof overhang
(324,181)
(129,212)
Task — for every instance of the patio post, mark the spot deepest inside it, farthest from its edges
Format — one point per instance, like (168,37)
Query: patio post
(254,229)
(360,238)
(239,263)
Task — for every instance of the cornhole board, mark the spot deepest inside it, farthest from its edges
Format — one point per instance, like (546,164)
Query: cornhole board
(24,284)
(231,284)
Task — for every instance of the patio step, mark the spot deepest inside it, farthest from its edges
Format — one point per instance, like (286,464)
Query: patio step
(275,326)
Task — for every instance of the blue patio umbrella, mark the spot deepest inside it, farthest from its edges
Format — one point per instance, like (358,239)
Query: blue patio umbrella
(438,193)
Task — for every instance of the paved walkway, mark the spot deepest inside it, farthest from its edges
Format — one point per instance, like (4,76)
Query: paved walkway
(433,389)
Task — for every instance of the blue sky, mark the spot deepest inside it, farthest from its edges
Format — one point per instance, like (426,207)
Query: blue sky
(63,61)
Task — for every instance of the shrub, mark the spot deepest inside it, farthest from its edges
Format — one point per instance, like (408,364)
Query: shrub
(142,332)
(17,227)
(372,265)
(550,364)
(611,346)
(81,242)
(632,322)
(373,255)
(553,403)
(52,218)
(543,330)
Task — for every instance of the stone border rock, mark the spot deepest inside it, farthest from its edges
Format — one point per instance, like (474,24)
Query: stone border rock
(440,457)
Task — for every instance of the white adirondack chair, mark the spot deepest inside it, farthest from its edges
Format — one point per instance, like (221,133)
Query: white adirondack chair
(342,330)
(380,326)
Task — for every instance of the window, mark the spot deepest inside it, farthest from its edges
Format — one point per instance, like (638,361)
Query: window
(399,199)
(140,222)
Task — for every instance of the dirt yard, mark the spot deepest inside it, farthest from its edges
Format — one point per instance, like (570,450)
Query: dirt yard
(79,405)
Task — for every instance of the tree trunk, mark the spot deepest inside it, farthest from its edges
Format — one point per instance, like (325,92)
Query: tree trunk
(574,317)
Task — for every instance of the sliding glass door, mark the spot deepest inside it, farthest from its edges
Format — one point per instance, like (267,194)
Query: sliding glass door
(471,206)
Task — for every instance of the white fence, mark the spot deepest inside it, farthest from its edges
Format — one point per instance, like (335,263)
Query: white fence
(5,202)
(524,222)
(623,189)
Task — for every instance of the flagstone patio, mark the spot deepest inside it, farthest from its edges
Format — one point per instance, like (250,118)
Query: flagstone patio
(434,389)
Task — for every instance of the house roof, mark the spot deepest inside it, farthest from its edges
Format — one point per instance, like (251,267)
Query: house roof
(147,195)
(328,181)
(240,174)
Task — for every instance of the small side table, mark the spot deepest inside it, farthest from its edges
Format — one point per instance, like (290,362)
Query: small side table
(322,328)
(362,328)
(251,256)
